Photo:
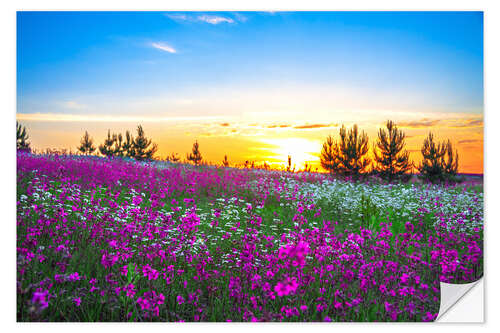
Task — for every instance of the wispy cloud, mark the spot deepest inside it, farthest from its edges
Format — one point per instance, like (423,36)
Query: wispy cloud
(212,19)
(450,123)
(425,122)
(464,142)
(177,17)
(72,105)
(164,47)
(240,17)
(468,123)
(307,126)
(278,126)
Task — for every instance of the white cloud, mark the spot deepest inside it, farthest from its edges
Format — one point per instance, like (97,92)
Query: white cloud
(240,17)
(164,47)
(177,17)
(214,19)
(73,105)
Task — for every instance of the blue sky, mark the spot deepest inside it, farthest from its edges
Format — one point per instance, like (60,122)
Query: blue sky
(278,81)
(93,62)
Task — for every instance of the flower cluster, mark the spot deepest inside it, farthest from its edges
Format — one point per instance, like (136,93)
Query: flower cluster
(116,240)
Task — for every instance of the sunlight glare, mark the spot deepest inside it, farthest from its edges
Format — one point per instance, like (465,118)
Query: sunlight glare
(301,150)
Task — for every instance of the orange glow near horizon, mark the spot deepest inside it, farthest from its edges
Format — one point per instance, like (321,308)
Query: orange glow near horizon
(252,141)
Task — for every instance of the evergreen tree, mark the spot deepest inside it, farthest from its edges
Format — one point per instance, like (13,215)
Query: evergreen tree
(225,162)
(22,137)
(144,148)
(433,153)
(195,156)
(329,156)
(392,161)
(307,167)
(107,147)
(347,156)
(128,145)
(174,157)
(118,148)
(289,165)
(86,145)
(450,165)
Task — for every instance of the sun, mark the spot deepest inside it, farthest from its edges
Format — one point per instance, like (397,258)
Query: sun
(301,151)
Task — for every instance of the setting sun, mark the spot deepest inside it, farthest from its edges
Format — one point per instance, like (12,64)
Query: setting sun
(300,150)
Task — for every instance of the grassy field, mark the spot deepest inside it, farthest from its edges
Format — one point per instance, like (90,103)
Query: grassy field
(115,240)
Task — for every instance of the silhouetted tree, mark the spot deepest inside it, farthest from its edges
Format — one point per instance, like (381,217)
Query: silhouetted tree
(128,145)
(329,156)
(173,157)
(144,148)
(431,167)
(347,156)
(225,162)
(392,161)
(438,164)
(289,165)
(195,156)
(307,167)
(86,144)
(107,147)
(22,137)
(450,166)
(118,148)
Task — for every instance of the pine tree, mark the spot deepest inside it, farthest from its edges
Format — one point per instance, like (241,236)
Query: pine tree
(329,156)
(118,148)
(438,164)
(86,145)
(450,164)
(392,161)
(128,145)
(107,147)
(347,156)
(22,137)
(195,156)
(225,162)
(307,167)
(353,148)
(431,167)
(144,148)
(174,157)
(289,165)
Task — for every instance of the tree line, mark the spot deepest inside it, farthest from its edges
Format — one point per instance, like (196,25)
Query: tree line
(117,145)
(347,156)
(140,148)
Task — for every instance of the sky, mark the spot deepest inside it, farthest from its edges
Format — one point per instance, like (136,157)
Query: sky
(255,86)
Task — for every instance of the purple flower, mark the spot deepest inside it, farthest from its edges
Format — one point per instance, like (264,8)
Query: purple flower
(41,298)
(77,301)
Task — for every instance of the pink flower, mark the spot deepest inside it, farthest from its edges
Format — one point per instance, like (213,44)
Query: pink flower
(286,287)
(77,301)
(130,289)
(40,297)
(295,252)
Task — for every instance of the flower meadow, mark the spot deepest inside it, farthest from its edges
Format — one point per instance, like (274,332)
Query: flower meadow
(116,240)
